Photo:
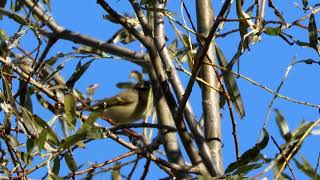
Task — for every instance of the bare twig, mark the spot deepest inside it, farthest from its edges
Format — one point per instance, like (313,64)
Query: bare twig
(284,157)
(146,169)
(295,148)
(95,166)
(316,168)
(134,167)
(275,97)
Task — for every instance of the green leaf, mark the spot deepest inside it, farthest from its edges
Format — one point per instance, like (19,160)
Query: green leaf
(25,96)
(71,163)
(80,70)
(231,84)
(283,126)
(28,123)
(173,46)
(70,110)
(122,36)
(19,19)
(51,134)
(26,157)
(7,83)
(124,85)
(247,168)
(72,140)
(305,4)
(56,166)
(52,60)
(42,139)
(3,43)
(30,145)
(7,123)
(299,132)
(91,119)
(306,167)
(313,33)
(12,141)
(250,155)
(51,75)
(273,31)
(54,177)
(95,133)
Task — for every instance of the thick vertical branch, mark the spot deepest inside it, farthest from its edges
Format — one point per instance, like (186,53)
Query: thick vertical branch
(210,97)
(159,38)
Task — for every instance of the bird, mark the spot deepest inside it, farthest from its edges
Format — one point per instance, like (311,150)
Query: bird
(128,106)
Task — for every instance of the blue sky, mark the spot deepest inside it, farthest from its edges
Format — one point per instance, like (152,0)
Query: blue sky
(266,63)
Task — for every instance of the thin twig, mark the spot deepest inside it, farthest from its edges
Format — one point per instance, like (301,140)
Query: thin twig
(146,169)
(95,166)
(295,148)
(134,167)
(316,169)
(284,157)
(142,125)
(275,97)
(123,21)
(270,90)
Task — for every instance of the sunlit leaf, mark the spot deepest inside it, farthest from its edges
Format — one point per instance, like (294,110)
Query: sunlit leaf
(273,31)
(72,140)
(51,134)
(122,36)
(95,133)
(306,167)
(15,40)
(173,46)
(91,119)
(42,139)
(283,176)
(283,126)
(52,74)
(14,143)
(231,84)
(70,110)
(92,89)
(300,131)
(53,176)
